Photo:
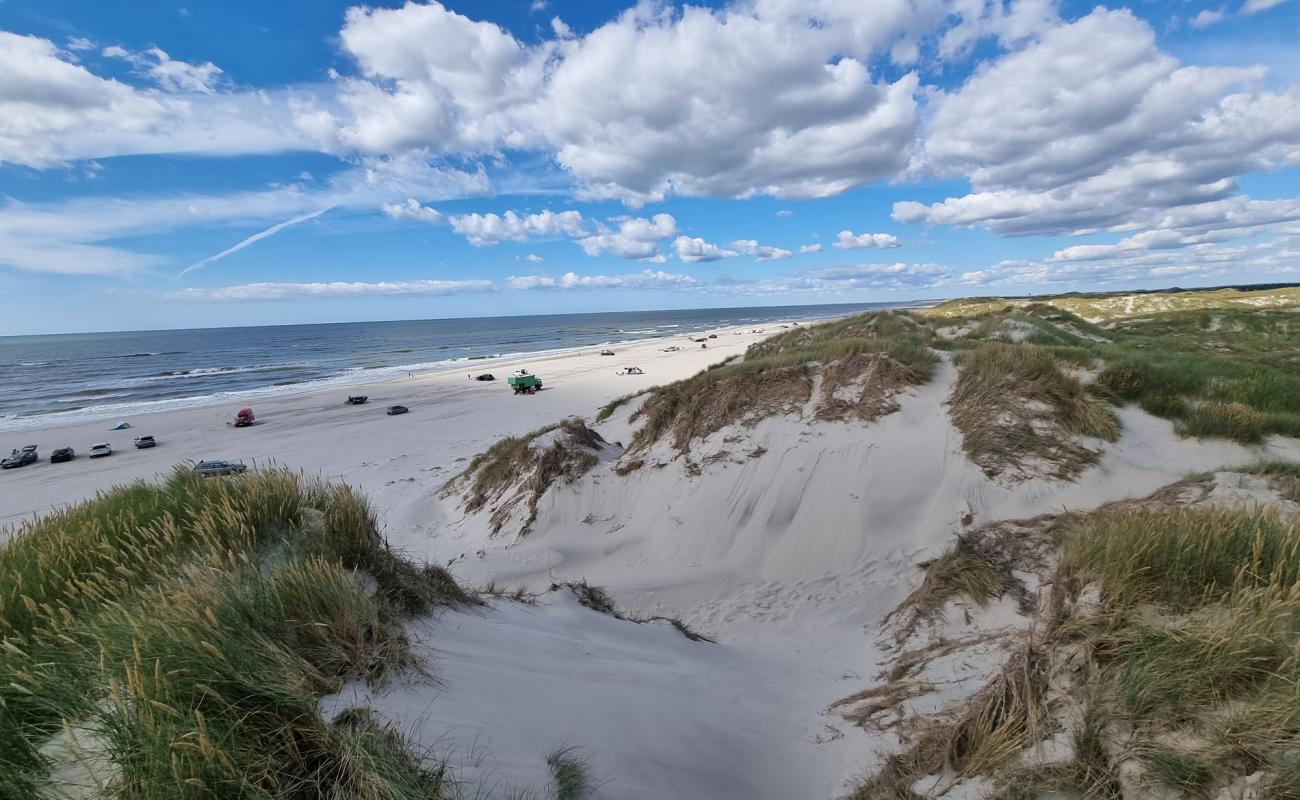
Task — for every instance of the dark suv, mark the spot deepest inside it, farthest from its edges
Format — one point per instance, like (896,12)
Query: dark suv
(21,458)
(62,454)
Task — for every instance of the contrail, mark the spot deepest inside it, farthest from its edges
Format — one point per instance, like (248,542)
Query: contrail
(257,237)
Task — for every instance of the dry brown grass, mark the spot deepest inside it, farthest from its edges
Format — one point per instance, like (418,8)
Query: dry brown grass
(695,408)
(598,600)
(515,471)
(864,386)
(1019,414)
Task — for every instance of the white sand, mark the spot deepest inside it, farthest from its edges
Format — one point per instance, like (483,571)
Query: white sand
(790,559)
(391,458)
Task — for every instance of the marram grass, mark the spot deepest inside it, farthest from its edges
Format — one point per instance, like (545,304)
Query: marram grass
(188,630)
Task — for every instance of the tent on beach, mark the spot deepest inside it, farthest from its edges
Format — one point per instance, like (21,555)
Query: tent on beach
(121,426)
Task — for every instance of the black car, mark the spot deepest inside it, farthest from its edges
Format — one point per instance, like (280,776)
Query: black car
(62,454)
(356,399)
(397,410)
(486,376)
(20,458)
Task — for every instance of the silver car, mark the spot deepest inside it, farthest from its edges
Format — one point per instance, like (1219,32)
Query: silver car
(210,468)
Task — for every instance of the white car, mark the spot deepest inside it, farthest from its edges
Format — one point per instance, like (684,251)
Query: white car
(101,449)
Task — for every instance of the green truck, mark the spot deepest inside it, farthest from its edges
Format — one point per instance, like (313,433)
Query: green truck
(524,384)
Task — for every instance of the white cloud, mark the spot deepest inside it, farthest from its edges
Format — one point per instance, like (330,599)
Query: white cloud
(80,43)
(1206,18)
(487,229)
(561,29)
(784,212)
(635,237)
(781,100)
(750,247)
(411,209)
(1092,126)
(811,248)
(533,257)
(76,237)
(170,74)
(1255,6)
(53,111)
(281,291)
(848,240)
(646,279)
(695,250)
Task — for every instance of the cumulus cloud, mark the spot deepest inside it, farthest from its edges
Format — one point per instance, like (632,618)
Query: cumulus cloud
(411,209)
(282,291)
(533,257)
(693,249)
(811,248)
(1091,125)
(646,279)
(750,247)
(848,240)
(487,229)
(635,237)
(782,100)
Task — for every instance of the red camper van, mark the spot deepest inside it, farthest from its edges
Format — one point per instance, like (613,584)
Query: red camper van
(244,418)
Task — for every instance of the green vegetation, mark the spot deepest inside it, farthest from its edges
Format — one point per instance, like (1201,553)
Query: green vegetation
(517,463)
(187,631)
(968,569)
(775,377)
(1229,370)
(1185,661)
(606,411)
(1018,411)
(569,775)
(1102,307)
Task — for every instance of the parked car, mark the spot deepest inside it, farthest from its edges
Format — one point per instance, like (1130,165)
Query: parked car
(392,410)
(631,371)
(486,376)
(62,454)
(243,418)
(607,352)
(210,469)
(100,450)
(356,399)
(142,442)
(20,458)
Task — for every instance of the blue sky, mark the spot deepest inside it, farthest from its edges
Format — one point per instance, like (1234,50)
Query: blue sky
(243,163)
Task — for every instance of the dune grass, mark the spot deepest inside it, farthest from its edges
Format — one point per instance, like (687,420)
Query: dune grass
(1017,410)
(1196,638)
(1185,664)
(570,775)
(775,377)
(517,463)
(190,627)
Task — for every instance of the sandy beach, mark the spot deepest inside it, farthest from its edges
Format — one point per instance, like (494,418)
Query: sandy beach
(390,458)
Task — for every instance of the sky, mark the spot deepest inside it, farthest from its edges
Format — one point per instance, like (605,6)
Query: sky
(168,165)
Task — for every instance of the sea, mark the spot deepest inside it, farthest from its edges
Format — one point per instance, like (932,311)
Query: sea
(73,377)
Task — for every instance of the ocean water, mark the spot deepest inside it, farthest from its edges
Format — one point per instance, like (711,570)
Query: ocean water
(68,377)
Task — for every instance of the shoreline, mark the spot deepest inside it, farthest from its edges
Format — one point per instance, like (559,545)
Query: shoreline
(392,460)
(354,377)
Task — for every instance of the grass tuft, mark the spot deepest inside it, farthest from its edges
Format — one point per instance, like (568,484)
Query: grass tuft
(1019,412)
(189,629)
